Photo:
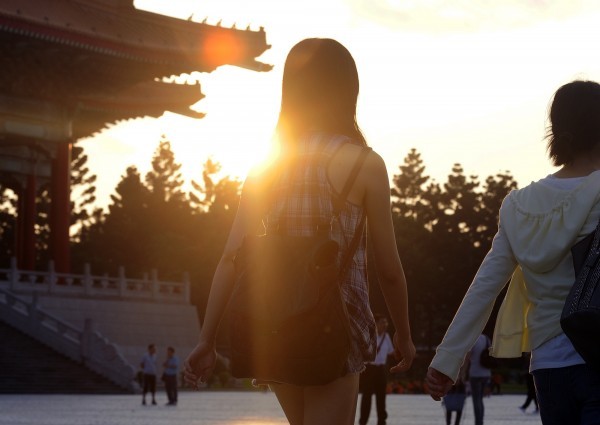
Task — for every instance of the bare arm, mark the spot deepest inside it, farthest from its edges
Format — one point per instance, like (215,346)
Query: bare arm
(387,261)
(201,361)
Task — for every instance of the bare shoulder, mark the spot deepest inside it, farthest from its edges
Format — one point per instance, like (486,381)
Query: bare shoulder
(374,170)
(348,154)
(375,162)
(370,174)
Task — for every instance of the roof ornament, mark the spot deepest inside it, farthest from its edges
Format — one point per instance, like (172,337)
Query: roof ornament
(190,17)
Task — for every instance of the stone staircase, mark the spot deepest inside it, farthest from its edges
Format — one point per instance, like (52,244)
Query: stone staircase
(106,322)
(30,367)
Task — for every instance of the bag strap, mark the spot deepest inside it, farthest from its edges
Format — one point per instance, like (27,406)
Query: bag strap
(381,343)
(345,263)
(590,261)
(338,201)
(595,245)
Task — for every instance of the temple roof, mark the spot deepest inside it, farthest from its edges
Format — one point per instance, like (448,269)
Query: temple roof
(151,98)
(104,60)
(116,28)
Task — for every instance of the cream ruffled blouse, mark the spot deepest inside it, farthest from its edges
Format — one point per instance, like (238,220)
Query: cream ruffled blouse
(538,226)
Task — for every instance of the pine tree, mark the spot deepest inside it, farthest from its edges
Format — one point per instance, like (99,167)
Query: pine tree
(83,189)
(494,191)
(460,204)
(119,238)
(222,195)
(165,181)
(407,191)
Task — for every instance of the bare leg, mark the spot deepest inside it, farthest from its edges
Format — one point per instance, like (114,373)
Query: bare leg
(334,403)
(291,400)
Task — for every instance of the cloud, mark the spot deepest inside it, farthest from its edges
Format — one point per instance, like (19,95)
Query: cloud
(466,15)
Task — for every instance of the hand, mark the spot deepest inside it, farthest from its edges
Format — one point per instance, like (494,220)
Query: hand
(438,384)
(199,364)
(405,353)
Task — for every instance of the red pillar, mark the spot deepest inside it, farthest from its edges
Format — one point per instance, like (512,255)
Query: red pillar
(60,208)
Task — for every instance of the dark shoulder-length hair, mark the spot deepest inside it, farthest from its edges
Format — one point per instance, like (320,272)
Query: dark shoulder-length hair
(574,121)
(319,92)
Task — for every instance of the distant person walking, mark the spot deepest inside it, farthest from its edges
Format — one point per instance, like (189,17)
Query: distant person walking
(148,366)
(479,377)
(374,378)
(454,401)
(538,226)
(171,366)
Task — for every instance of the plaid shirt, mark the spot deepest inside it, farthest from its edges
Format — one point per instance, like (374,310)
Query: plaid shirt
(303,200)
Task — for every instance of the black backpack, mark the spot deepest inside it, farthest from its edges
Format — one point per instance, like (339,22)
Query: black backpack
(289,322)
(580,319)
(485,359)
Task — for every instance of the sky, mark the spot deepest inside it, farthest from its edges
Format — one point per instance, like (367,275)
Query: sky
(462,81)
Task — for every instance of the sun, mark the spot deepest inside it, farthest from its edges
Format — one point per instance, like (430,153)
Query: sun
(241,111)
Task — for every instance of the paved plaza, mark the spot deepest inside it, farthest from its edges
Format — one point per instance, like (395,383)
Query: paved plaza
(226,408)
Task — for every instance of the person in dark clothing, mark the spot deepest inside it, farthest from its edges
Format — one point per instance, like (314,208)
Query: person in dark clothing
(171,366)
(454,401)
(148,366)
(374,379)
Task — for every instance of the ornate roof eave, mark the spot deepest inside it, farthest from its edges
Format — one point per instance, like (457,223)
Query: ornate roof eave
(100,62)
(147,99)
(134,34)
(92,122)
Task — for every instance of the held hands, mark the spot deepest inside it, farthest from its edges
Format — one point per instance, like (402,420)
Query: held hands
(438,384)
(199,364)
(405,352)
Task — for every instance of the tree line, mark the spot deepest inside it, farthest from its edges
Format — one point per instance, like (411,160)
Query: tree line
(443,230)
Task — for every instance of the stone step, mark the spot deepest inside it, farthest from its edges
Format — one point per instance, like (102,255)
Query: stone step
(28,366)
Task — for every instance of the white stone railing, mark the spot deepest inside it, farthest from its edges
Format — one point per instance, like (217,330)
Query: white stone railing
(81,345)
(87,285)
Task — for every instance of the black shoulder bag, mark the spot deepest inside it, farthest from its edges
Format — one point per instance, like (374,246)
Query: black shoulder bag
(485,359)
(580,319)
(289,322)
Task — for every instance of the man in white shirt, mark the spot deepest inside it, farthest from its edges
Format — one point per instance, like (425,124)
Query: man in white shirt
(148,366)
(374,378)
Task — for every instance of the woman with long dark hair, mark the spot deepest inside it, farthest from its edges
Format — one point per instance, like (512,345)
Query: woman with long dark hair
(319,141)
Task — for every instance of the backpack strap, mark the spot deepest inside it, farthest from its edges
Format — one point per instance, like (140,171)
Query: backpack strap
(337,208)
(586,290)
(345,264)
(338,201)
(381,343)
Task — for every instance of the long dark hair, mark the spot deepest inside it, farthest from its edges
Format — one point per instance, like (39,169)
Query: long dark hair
(319,92)
(574,121)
